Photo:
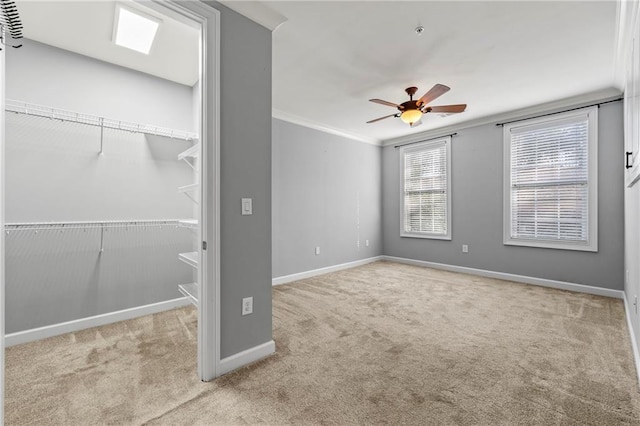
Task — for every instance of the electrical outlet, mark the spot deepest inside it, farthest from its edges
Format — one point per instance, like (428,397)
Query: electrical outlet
(317,250)
(366,243)
(465,248)
(247,305)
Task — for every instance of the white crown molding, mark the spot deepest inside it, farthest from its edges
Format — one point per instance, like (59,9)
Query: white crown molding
(257,12)
(572,102)
(285,116)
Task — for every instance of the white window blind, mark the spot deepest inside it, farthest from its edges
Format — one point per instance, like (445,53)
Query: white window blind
(426,201)
(550,181)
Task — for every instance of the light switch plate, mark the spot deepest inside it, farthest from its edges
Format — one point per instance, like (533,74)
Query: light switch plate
(247,206)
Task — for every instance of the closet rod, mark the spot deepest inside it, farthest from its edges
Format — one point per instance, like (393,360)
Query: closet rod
(89,225)
(26,108)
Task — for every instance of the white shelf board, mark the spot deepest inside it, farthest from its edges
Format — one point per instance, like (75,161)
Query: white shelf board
(193,152)
(188,223)
(190,258)
(189,188)
(190,291)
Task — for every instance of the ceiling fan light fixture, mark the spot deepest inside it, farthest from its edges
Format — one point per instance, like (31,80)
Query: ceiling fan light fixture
(411,116)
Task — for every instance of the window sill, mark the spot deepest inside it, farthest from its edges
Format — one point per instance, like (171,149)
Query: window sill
(425,236)
(552,245)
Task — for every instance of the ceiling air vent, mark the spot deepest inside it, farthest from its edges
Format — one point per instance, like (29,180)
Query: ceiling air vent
(10,24)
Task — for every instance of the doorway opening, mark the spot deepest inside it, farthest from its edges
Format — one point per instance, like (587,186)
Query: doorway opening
(111,187)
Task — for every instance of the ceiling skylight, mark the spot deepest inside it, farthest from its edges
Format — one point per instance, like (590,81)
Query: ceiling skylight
(135,30)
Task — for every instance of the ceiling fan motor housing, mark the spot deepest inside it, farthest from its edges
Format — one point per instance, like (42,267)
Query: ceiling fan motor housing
(408,105)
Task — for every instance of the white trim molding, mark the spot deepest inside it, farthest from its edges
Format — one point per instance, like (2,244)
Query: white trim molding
(321,271)
(543,282)
(2,241)
(246,357)
(257,12)
(294,119)
(207,16)
(632,337)
(549,107)
(94,321)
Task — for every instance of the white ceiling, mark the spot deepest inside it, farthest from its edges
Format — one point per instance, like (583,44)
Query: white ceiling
(86,27)
(330,57)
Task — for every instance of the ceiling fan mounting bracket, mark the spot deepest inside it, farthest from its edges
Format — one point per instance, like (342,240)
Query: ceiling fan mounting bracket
(411,91)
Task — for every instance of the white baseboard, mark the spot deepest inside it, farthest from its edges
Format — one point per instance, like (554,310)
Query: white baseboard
(315,272)
(562,285)
(94,321)
(246,357)
(632,336)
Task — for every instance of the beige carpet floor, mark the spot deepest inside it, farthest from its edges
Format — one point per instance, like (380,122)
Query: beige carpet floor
(380,344)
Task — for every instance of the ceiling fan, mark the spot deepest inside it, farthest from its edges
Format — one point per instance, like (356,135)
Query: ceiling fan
(411,111)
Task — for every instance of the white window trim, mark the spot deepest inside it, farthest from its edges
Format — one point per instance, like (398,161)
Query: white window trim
(592,241)
(417,147)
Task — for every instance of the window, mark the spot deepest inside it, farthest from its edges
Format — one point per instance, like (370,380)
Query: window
(426,189)
(550,194)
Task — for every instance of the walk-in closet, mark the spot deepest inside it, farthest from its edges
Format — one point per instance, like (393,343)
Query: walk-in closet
(102,170)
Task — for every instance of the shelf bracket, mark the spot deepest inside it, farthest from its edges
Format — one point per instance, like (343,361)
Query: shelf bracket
(102,239)
(190,164)
(191,197)
(101,138)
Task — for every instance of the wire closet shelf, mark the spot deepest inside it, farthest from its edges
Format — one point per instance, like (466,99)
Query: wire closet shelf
(90,225)
(26,108)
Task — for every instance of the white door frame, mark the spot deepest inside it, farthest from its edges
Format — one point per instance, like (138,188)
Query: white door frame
(209,259)
(2,310)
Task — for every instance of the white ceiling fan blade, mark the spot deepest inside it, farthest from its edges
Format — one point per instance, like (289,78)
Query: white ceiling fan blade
(416,124)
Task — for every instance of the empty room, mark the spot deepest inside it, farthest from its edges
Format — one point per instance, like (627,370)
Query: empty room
(320,212)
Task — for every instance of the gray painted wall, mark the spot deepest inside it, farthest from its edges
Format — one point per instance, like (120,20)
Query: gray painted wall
(245,158)
(54,173)
(477,212)
(45,75)
(53,276)
(326,193)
